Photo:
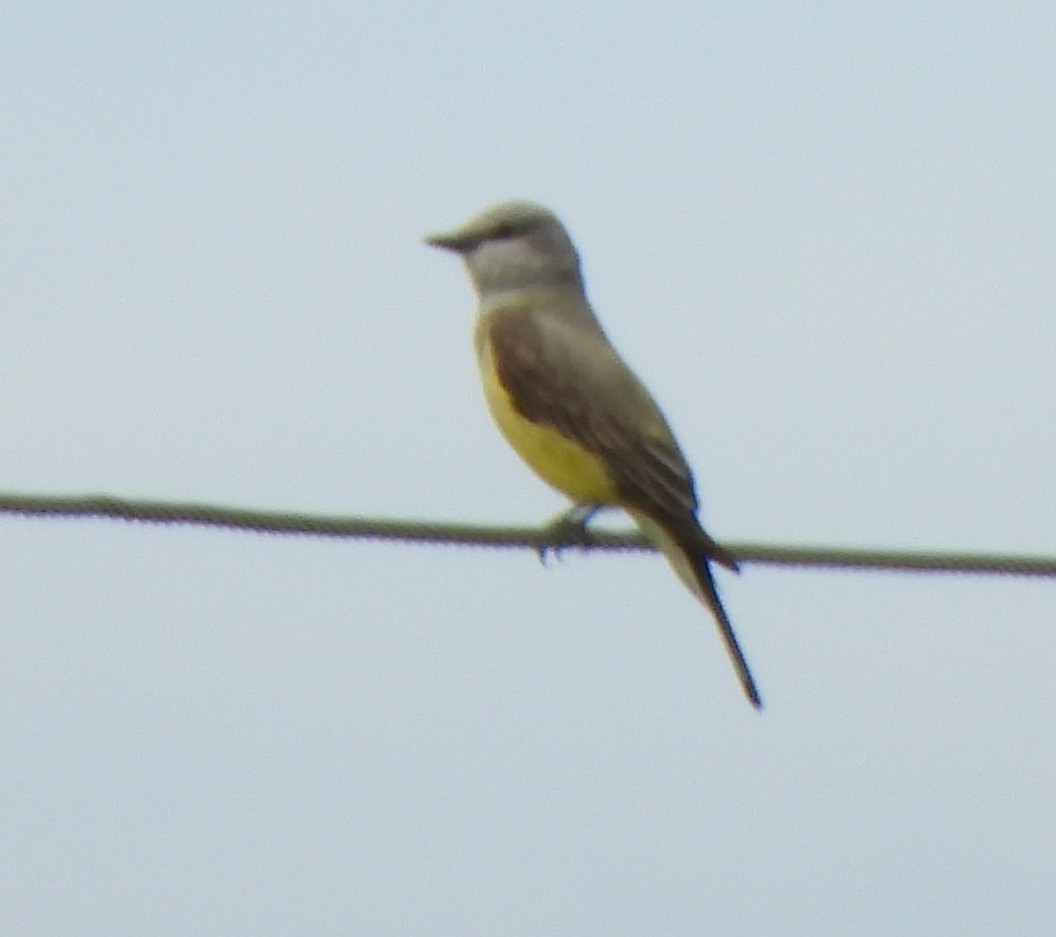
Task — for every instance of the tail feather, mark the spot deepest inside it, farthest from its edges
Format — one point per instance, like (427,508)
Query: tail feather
(692,565)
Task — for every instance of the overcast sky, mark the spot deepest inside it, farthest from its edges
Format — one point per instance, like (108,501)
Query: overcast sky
(822,234)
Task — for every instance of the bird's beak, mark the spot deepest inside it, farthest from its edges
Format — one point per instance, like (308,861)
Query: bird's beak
(457,241)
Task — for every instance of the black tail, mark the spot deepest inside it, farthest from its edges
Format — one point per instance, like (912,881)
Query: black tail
(704,553)
(690,552)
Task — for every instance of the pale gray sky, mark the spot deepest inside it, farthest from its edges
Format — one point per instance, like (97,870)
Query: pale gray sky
(823,235)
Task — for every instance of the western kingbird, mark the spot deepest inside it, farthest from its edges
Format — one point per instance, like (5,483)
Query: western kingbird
(569,405)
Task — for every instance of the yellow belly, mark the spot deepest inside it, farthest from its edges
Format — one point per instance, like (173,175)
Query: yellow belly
(560,462)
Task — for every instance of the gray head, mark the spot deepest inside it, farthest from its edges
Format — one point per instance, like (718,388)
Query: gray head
(514,245)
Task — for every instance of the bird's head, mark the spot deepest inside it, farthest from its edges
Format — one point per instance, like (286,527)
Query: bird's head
(513,245)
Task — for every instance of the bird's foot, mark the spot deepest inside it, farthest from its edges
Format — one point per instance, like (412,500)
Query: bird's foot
(568,529)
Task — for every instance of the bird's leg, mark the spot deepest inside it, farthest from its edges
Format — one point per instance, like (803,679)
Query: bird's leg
(569,528)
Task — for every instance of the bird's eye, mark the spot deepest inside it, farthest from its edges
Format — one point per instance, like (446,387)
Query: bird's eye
(504,231)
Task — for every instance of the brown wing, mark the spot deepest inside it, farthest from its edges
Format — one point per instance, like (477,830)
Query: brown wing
(571,379)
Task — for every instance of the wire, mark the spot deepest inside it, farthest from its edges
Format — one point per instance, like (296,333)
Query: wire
(540,539)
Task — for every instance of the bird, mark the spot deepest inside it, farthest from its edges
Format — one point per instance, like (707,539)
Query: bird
(570,406)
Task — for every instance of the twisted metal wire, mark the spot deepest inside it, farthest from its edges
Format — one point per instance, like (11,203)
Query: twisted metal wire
(539,539)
